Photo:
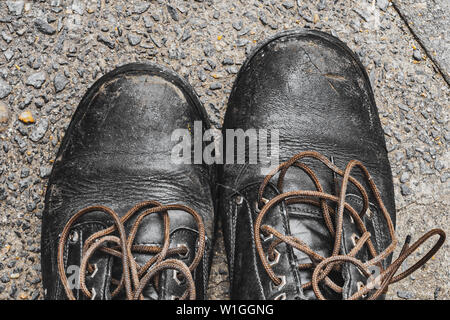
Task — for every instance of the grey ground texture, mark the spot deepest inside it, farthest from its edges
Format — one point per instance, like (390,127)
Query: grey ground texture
(52,51)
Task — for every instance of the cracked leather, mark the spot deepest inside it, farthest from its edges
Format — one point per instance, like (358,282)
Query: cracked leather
(116,152)
(314,90)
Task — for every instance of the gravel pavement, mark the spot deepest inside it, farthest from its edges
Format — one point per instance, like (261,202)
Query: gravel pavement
(52,51)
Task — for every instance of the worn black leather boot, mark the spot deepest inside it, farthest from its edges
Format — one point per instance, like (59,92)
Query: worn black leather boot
(321,225)
(118,212)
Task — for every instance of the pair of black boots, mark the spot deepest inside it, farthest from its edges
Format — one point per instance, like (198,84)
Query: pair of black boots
(124,220)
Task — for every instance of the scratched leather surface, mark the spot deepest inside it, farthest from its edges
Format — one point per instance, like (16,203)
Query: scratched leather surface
(116,152)
(310,87)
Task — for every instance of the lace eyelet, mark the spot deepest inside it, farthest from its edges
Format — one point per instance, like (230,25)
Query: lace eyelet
(176,277)
(174,298)
(276,259)
(92,275)
(186,255)
(94,294)
(257,209)
(281,296)
(264,238)
(239,199)
(73,237)
(368,213)
(280,286)
(360,287)
(354,238)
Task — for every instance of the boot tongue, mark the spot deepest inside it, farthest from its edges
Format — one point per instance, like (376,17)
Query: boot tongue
(308,225)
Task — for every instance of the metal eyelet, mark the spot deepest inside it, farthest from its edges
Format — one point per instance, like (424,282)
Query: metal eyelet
(368,213)
(257,209)
(281,296)
(352,220)
(276,260)
(264,238)
(177,280)
(183,256)
(92,275)
(73,237)
(174,298)
(360,287)
(239,199)
(94,294)
(354,238)
(280,286)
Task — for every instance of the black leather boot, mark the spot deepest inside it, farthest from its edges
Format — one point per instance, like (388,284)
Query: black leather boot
(320,224)
(118,211)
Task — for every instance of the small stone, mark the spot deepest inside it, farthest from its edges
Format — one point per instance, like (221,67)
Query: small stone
(263,19)
(237,25)
(201,75)
(417,55)
(78,7)
(173,12)
(215,86)
(186,35)
(227,61)
(404,177)
(4,116)
(106,41)
(445,177)
(141,8)
(36,80)
(322,5)
(403,107)
(31,206)
(44,172)
(288,4)
(438,165)
(60,81)
(316,18)
(24,173)
(23,296)
(6,37)
(405,295)
(436,293)
(5,89)
(3,194)
(133,40)
(4,278)
(44,27)
(15,7)
(26,117)
(209,50)
(15,276)
(35,295)
(39,131)
(242,42)
(383,4)
(156,17)
(9,54)
(405,190)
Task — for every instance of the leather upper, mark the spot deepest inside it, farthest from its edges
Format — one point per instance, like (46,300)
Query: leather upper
(117,153)
(311,88)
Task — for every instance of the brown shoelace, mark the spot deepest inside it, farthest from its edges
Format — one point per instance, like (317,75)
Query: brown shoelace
(322,266)
(134,277)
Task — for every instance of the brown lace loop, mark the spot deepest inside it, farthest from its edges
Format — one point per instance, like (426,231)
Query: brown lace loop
(134,276)
(322,266)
